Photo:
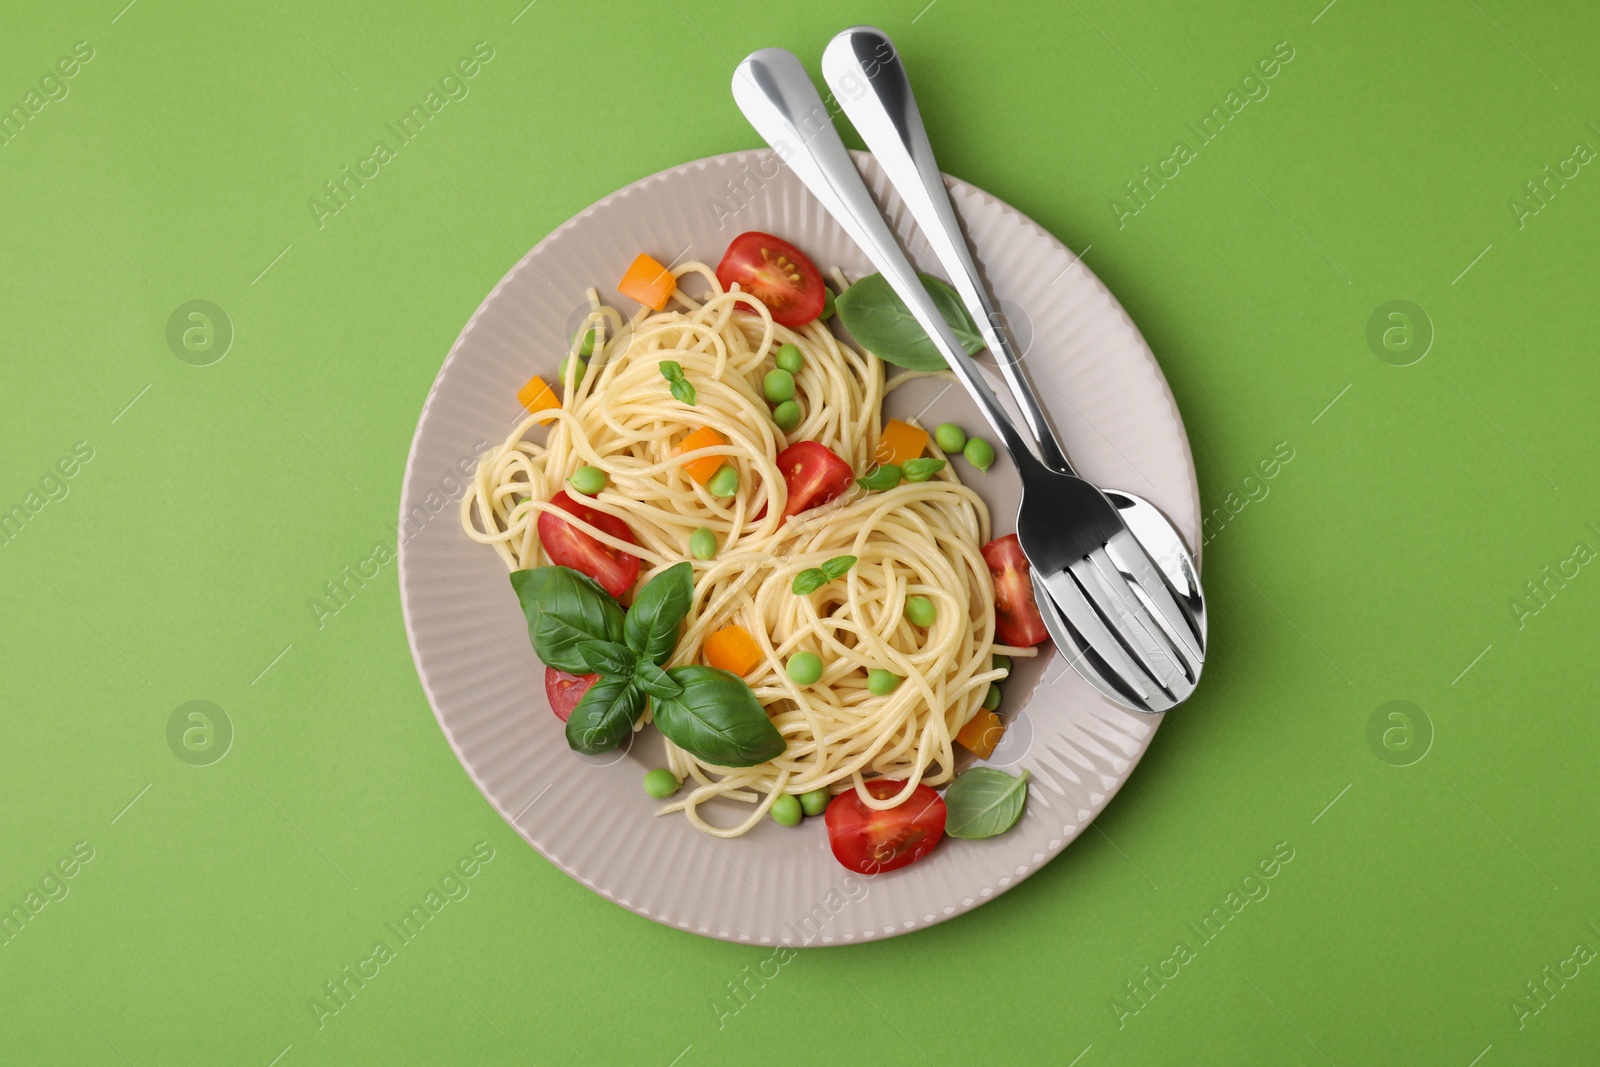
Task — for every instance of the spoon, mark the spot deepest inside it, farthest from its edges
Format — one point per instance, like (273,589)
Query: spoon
(1118,617)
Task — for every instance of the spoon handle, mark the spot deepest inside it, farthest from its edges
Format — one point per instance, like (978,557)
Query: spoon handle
(777,96)
(864,71)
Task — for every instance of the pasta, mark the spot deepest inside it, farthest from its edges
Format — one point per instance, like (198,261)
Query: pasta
(916,539)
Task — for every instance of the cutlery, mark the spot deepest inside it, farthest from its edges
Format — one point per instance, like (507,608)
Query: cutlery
(863,68)
(1122,626)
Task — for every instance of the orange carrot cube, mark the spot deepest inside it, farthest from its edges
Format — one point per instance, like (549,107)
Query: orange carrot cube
(537,396)
(900,441)
(733,649)
(982,733)
(649,283)
(701,469)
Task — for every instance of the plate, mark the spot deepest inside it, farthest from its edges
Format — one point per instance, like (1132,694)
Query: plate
(589,815)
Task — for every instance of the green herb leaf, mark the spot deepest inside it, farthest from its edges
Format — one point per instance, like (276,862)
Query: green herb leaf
(527,585)
(838,566)
(655,681)
(651,628)
(684,392)
(984,802)
(920,470)
(716,719)
(882,324)
(885,477)
(605,716)
(813,578)
(610,658)
(808,581)
(565,608)
(672,370)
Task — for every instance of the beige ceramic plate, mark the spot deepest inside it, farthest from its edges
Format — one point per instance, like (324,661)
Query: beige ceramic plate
(589,815)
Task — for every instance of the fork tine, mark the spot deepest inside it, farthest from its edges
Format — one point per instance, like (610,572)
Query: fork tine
(1131,557)
(1140,636)
(1086,663)
(1161,648)
(1066,595)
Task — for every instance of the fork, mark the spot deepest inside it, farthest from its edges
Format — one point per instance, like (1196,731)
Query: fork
(1126,630)
(864,71)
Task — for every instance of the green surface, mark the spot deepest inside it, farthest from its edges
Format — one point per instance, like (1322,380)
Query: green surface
(1381,563)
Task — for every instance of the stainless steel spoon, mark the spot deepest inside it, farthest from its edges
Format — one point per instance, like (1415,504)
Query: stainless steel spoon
(1136,634)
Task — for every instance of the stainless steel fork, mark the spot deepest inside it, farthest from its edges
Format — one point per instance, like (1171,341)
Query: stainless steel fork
(863,68)
(1105,600)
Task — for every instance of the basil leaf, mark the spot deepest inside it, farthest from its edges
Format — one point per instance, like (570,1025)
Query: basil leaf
(610,658)
(655,681)
(683,390)
(883,325)
(672,370)
(920,470)
(838,566)
(983,802)
(651,628)
(717,719)
(885,477)
(527,584)
(605,715)
(564,608)
(808,581)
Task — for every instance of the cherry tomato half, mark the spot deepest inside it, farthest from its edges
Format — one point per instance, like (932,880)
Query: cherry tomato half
(568,546)
(1016,617)
(813,474)
(776,273)
(564,690)
(871,841)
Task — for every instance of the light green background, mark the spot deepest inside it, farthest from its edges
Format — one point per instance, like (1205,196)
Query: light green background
(1380,565)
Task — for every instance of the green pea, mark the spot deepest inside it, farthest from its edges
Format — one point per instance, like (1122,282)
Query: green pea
(805,668)
(561,371)
(827,305)
(703,544)
(921,612)
(724,483)
(791,359)
(991,699)
(787,415)
(1001,663)
(815,802)
(880,683)
(661,783)
(950,438)
(786,810)
(588,480)
(778,386)
(979,453)
(586,349)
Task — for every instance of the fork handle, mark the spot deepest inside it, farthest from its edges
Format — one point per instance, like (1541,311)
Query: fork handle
(864,71)
(777,96)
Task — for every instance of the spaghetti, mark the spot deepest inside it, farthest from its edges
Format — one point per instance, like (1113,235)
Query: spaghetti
(917,539)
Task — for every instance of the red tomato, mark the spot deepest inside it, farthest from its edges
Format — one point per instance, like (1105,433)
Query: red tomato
(813,474)
(872,841)
(1016,617)
(568,546)
(776,273)
(564,690)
